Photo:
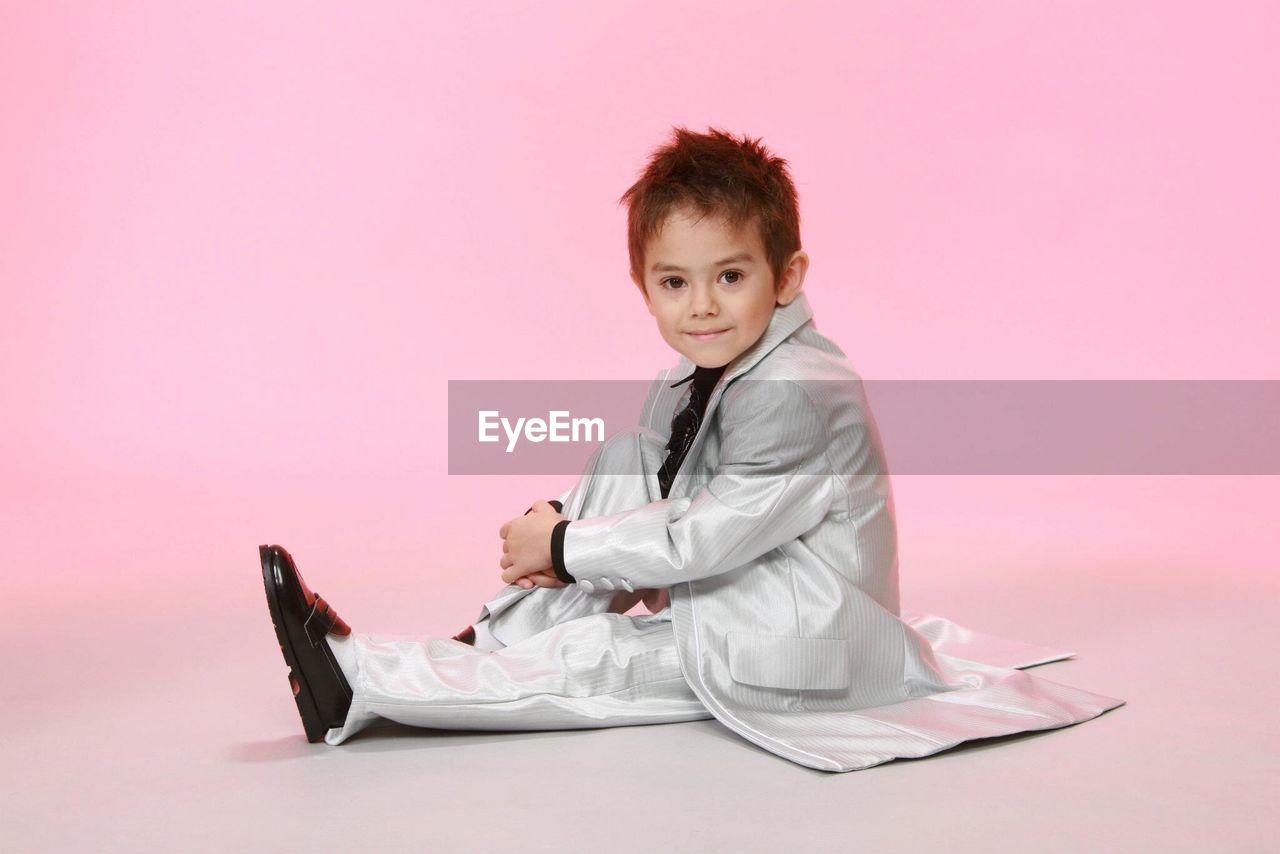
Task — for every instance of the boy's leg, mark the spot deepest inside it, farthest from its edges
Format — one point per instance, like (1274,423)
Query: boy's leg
(621,475)
(596,671)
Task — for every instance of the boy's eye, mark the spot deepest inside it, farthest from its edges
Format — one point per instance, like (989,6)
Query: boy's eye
(674,282)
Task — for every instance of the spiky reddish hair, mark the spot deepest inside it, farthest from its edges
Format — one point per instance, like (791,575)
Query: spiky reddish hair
(717,174)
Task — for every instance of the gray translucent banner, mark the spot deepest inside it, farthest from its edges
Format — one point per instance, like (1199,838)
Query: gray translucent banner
(926,426)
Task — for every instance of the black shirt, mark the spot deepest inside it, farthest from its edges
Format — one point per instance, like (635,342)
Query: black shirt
(684,426)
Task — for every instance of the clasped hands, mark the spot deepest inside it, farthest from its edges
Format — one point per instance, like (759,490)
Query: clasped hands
(526,548)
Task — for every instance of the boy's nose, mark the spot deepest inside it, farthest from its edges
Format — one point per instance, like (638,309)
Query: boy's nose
(703,302)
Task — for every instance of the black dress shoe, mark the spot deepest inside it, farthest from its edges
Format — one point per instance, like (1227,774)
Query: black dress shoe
(302,619)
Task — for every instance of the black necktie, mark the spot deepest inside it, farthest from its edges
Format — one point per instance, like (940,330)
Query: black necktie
(684,427)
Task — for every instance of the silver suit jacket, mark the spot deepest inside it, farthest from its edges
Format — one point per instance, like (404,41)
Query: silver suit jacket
(777,547)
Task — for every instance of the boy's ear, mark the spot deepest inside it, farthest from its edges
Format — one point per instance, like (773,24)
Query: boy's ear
(793,277)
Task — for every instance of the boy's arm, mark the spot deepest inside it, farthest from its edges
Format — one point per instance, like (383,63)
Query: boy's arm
(773,485)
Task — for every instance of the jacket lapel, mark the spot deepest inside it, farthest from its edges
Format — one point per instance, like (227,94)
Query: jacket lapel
(786,320)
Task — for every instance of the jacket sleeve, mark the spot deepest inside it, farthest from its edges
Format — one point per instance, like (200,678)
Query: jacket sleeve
(562,498)
(774,484)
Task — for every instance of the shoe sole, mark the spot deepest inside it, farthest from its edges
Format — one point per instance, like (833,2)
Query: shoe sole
(312,722)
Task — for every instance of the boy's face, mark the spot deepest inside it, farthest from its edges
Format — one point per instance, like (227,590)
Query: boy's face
(702,277)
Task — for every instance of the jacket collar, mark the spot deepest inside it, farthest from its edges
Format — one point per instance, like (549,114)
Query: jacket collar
(786,319)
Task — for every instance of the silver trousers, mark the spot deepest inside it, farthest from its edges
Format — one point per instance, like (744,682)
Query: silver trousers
(566,659)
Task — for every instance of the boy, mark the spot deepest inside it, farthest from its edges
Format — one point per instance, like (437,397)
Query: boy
(757,525)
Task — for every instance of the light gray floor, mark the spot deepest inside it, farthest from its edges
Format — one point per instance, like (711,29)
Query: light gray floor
(174,731)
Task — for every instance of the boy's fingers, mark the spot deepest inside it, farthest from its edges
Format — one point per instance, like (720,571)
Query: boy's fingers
(546,579)
(545,507)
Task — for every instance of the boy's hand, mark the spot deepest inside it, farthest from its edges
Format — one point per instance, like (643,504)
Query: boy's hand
(540,579)
(526,545)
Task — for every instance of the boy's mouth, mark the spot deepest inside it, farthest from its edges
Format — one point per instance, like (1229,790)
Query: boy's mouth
(706,336)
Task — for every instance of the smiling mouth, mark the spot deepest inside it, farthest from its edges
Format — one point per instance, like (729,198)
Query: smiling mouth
(703,336)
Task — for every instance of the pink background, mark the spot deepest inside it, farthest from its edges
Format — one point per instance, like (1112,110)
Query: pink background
(244,247)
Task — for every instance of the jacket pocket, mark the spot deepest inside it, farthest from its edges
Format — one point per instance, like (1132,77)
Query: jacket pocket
(782,661)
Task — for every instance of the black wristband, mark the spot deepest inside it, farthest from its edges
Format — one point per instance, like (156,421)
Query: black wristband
(557,552)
